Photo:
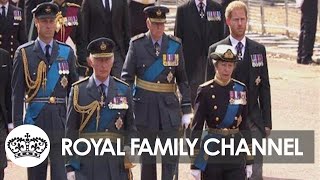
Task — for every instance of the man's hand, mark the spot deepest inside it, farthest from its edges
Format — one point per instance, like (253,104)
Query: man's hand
(196,173)
(249,170)
(186,120)
(267,131)
(71,175)
(128,158)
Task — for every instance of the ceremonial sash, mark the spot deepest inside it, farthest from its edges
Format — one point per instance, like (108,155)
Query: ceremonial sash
(53,76)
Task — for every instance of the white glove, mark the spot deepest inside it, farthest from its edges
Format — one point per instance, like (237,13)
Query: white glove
(71,175)
(186,119)
(249,170)
(196,173)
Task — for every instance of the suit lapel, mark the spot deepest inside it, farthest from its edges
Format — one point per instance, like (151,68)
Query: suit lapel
(194,13)
(10,20)
(112,90)
(92,89)
(149,46)
(54,52)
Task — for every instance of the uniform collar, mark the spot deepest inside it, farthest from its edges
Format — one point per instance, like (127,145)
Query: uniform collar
(98,82)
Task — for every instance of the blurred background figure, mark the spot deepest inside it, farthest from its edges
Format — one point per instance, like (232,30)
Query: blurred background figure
(308,28)
(137,17)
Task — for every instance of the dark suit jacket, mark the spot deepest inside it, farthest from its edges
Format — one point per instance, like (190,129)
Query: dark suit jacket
(12,30)
(152,108)
(259,98)
(5,84)
(195,43)
(95,26)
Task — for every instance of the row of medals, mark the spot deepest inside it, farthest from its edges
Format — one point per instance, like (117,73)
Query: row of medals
(63,71)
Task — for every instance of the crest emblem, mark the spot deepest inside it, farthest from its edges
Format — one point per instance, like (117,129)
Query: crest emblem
(158,13)
(169,77)
(48,9)
(258,80)
(103,46)
(228,54)
(118,123)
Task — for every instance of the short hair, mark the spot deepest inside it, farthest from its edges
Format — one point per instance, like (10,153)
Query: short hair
(235,5)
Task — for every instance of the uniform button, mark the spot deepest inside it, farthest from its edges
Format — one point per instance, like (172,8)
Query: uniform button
(211,86)
(0,42)
(11,56)
(233,127)
(0,35)
(11,43)
(11,49)
(213,96)
(236,118)
(158,82)
(107,130)
(217,118)
(215,107)
(170,67)
(143,65)
(12,36)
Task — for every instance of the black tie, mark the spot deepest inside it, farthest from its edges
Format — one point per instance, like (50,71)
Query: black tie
(157,48)
(47,53)
(239,50)
(107,6)
(102,90)
(201,9)
(3,12)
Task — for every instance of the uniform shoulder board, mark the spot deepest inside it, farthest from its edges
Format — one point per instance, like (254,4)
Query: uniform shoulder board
(119,80)
(27,44)
(238,82)
(139,36)
(73,5)
(80,81)
(175,38)
(206,83)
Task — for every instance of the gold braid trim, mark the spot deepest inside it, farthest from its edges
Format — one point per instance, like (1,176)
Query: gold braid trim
(41,74)
(88,109)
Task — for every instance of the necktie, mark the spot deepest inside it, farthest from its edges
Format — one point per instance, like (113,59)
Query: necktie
(3,12)
(107,5)
(47,53)
(157,48)
(239,50)
(103,94)
(201,9)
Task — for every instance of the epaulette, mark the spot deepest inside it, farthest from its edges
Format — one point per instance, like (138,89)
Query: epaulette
(238,82)
(175,38)
(119,80)
(27,44)
(73,5)
(80,81)
(139,36)
(62,43)
(207,83)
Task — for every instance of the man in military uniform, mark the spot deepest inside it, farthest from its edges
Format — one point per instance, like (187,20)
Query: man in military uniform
(222,104)
(137,16)
(155,66)
(109,101)
(12,32)
(43,71)
(108,18)
(252,70)
(5,105)
(69,24)
(308,29)
(199,23)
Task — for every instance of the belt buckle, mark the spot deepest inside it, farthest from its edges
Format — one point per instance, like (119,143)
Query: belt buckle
(225,131)
(52,100)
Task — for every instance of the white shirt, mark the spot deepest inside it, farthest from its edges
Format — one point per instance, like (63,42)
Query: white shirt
(43,45)
(198,4)
(6,7)
(110,4)
(235,42)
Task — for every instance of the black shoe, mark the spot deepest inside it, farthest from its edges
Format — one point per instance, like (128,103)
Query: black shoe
(299,61)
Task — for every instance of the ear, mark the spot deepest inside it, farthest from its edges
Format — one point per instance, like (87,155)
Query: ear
(228,21)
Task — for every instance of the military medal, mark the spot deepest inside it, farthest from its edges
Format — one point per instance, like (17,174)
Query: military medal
(214,15)
(169,77)
(231,94)
(170,59)
(256,60)
(118,123)
(119,102)
(64,82)
(257,81)
(102,103)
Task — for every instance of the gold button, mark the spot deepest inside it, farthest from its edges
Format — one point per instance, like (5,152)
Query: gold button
(52,100)
(217,118)
(215,107)
(211,86)
(0,42)
(11,49)
(236,118)
(12,36)
(233,127)
(0,35)
(11,43)
(213,96)
(158,82)
(11,56)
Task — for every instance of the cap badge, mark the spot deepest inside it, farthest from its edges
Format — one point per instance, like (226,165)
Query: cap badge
(158,12)
(228,54)
(103,46)
(48,9)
